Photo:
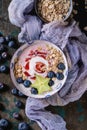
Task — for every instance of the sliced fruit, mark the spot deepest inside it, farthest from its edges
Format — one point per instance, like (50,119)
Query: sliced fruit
(41,84)
(39,66)
(27,66)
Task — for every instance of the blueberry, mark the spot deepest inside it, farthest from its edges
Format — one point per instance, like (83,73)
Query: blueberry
(8,38)
(51,74)
(16,115)
(3,68)
(4,55)
(4,123)
(14,91)
(20,94)
(51,82)
(19,80)
(34,91)
(1,86)
(19,104)
(27,83)
(60,76)
(61,66)
(11,44)
(1,48)
(23,126)
(2,40)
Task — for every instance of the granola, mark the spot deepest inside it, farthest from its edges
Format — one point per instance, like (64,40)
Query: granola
(52,10)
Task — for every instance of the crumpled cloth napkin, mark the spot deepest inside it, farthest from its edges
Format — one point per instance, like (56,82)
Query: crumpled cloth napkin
(73,43)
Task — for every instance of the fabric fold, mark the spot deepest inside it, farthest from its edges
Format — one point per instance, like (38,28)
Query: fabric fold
(18,11)
(33,24)
(45,119)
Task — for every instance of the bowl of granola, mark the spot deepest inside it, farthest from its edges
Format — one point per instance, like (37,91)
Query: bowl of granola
(53,10)
(39,70)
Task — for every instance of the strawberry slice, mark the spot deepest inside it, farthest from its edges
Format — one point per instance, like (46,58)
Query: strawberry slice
(43,56)
(27,59)
(26,73)
(27,66)
(43,53)
(33,78)
(39,66)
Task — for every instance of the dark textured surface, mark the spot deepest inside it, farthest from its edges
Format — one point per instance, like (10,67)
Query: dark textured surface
(75,114)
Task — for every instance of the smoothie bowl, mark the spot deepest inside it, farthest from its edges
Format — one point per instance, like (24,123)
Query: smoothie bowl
(39,70)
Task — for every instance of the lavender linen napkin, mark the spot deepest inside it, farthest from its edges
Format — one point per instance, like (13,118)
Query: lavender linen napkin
(73,43)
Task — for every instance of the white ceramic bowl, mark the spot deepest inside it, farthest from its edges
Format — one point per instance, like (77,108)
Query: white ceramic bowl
(26,91)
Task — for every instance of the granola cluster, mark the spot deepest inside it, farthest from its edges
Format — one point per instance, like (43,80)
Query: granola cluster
(52,10)
(18,70)
(54,58)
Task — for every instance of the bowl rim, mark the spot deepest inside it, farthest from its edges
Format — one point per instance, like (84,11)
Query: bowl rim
(46,21)
(20,87)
